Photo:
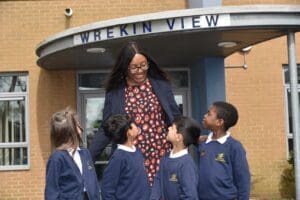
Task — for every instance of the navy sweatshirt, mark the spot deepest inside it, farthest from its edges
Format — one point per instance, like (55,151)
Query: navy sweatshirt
(177,179)
(125,177)
(223,171)
(64,180)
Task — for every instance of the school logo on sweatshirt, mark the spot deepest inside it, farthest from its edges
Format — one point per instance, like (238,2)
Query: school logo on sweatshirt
(220,158)
(202,153)
(90,166)
(173,178)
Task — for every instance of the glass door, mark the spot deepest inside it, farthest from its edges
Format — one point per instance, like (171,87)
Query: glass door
(91,120)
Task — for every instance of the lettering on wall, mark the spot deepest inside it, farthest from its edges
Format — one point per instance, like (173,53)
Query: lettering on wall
(153,26)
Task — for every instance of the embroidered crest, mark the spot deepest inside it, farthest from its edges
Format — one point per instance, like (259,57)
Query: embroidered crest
(173,178)
(220,157)
(90,167)
(202,153)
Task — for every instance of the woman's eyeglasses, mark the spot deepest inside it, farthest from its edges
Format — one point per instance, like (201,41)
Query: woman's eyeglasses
(143,66)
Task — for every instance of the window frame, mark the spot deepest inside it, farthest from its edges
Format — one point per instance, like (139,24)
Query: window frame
(287,88)
(4,96)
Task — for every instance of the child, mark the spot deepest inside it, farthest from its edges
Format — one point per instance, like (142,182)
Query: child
(125,176)
(177,177)
(70,173)
(223,167)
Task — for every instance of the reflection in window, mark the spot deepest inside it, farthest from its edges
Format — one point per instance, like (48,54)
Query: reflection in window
(93,117)
(179,101)
(290,111)
(12,83)
(179,78)
(13,156)
(91,80)
(287,75)
(290,144)
(12,121)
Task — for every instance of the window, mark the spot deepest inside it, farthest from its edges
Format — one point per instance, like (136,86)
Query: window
(289,122)
(14,148)
(180,82)
(179,77)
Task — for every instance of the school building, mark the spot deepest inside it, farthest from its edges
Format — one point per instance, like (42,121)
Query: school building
(55,54)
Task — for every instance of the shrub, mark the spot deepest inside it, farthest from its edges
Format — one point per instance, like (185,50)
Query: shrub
(287,181)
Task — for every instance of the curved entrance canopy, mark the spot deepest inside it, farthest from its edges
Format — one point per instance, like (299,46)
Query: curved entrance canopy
(173,38)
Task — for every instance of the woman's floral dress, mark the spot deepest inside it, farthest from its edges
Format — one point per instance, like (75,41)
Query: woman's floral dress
(142,105)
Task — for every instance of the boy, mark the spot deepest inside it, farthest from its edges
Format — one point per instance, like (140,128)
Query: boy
(223,167)
(125,176)
(177,178)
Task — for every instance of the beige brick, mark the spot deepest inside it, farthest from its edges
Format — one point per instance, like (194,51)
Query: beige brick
(256,91)
(26,24)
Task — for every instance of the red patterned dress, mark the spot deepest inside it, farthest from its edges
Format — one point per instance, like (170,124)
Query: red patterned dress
(142,105)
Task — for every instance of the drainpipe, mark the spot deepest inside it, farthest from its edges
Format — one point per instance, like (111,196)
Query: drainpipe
(295,108)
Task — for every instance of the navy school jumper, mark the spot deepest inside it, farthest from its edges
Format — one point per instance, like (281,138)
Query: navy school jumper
(125,178)
(223,171)
(64,180)
(115,104)
(177,179)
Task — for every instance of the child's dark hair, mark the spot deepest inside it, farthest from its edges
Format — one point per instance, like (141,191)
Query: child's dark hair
(63,129)
(189,128)
(116,128)
(227,112)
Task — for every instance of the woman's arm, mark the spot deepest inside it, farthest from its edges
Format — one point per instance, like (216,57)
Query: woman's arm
(99,142)
(164,93)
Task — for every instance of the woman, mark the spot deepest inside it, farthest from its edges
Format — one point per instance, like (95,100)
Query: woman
(139,88)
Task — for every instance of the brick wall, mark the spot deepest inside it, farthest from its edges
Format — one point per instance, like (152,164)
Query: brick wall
(258,93)
(244,2)
(23,25)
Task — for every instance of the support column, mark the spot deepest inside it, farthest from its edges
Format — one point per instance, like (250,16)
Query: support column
(295,108)
(207,84)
